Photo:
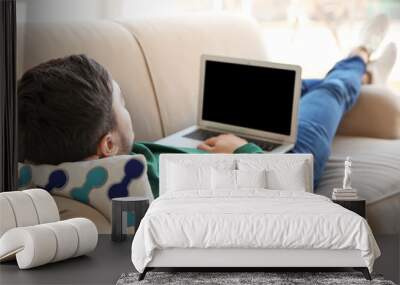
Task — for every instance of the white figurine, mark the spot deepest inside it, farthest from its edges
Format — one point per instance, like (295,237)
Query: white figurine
(347,174)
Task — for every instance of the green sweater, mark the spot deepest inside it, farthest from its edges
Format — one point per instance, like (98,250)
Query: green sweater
(152,151)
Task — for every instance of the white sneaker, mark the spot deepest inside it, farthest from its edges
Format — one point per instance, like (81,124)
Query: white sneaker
(381,67)
(373,32)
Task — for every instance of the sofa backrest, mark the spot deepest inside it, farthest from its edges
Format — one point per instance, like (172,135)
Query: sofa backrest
(172,47)
(156,61)
(112,46)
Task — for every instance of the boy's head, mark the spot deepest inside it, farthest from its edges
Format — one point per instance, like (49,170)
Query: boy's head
(70,109)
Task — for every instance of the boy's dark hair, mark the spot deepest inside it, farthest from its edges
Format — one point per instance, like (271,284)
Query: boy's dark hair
(64,109)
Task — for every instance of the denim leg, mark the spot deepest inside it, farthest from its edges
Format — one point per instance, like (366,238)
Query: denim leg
(309,84)
(345,79)
(322,109)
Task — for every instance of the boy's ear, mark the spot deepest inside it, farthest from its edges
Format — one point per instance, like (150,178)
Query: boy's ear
(107,146)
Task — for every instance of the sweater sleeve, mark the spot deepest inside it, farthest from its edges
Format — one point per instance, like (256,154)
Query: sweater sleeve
(249,148)
(152,166)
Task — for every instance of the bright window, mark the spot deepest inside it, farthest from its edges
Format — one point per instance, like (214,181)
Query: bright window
(311,33)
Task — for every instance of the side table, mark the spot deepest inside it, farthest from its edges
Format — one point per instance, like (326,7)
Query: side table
(357,205)
(120,207)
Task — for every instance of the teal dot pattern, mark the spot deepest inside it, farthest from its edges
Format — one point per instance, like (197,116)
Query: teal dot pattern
(95,178)
(131,219)
(25,176)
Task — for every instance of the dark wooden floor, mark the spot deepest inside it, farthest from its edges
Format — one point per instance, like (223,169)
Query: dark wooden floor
(110,260)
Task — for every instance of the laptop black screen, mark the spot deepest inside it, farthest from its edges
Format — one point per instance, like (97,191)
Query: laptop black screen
(254,97)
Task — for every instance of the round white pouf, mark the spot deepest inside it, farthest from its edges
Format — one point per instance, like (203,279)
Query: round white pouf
(24,211)
(41,244)
(67,240)
(33,246)
(46,207)
(26,208)
(6,215)
(87,233)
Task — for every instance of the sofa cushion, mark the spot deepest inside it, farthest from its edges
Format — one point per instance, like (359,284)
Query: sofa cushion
(375,174)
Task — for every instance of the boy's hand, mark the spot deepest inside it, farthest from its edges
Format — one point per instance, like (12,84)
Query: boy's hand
(226,143)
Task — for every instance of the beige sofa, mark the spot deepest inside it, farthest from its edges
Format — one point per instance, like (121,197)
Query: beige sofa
(156,62)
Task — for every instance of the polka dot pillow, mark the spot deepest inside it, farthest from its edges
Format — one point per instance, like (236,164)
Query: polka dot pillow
(93,182)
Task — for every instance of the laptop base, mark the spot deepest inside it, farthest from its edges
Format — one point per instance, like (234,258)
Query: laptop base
(193,136)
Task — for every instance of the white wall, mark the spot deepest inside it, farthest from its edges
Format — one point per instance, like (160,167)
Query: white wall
(86,10)
(29,11)
(66,10)
(143,8)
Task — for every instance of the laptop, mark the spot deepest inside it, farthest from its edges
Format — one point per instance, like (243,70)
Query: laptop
(255,100)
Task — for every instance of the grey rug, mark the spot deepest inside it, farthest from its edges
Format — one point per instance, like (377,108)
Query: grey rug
(231,278)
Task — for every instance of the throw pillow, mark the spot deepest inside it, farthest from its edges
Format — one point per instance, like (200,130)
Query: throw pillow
(93,182)
(181,177)
(252,178)
(223,179)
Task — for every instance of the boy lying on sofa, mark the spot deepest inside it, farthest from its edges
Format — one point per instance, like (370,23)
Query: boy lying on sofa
(70,109)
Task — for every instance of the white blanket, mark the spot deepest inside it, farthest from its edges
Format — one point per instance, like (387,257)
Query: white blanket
(250,219)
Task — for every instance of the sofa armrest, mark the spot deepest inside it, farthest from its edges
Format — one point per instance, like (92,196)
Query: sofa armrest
(376,114)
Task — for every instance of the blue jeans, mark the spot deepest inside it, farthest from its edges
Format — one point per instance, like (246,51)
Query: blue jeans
(322,106)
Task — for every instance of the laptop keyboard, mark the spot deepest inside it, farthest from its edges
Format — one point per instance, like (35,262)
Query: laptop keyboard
(202,135)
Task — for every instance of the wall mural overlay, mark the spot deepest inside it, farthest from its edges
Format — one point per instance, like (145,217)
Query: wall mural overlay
(8,99)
